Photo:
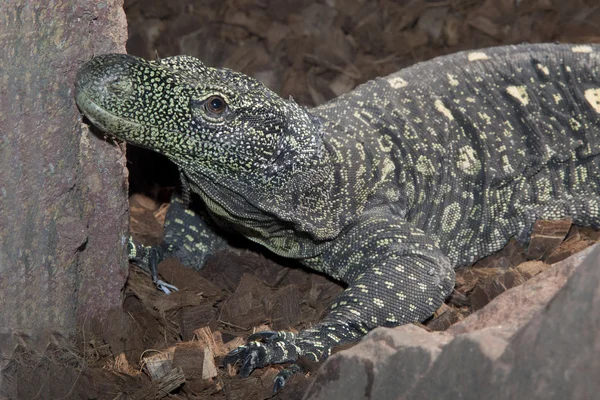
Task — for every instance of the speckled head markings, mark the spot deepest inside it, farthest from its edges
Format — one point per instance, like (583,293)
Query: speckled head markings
(214,119)
(387,188)
(245,150)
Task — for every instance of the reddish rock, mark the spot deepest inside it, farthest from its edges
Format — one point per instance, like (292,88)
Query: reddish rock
(383,366)
(63,190)
(536,340)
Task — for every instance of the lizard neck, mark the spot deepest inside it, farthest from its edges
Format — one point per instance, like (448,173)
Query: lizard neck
(302,196)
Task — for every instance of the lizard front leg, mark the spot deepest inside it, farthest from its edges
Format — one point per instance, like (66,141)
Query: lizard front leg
(187,237)
(396,275)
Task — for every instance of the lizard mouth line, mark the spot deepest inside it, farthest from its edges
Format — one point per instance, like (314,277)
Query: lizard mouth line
(102,118)
(121,128)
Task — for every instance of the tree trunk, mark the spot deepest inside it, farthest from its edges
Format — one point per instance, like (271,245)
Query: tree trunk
(63,191)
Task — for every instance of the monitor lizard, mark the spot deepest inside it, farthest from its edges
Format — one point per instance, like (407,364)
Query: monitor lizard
(387,188)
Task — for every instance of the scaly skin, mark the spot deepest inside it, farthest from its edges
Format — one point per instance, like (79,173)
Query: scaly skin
(387,188)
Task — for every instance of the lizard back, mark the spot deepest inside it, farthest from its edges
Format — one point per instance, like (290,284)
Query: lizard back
(475,146)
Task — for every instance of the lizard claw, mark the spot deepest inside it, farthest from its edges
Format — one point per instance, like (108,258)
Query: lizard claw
(147,259)
(283,376)
(278,383)
(264,348)
(165,287)
(252,355)
(264,336)
(253,359)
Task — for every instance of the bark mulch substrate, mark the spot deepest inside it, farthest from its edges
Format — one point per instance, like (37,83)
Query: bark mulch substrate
(173,345)
(313,51)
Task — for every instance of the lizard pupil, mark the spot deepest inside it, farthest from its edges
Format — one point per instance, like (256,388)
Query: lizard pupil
(216,104)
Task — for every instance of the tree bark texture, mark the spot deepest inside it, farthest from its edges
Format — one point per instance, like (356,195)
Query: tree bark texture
(63,190)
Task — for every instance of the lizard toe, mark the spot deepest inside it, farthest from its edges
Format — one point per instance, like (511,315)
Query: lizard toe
(262,349)
(283,376)
(264,336)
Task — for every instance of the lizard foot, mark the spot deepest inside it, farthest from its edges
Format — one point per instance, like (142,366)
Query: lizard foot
(264,348)
(283,376)
(147,259)
(165,287)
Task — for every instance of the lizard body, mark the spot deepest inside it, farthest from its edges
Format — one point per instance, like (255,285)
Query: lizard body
(387,188)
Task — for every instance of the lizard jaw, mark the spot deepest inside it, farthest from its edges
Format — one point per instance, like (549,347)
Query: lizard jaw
(103,119)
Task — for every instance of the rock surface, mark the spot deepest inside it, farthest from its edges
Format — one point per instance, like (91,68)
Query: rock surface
(536,340)
(63,200)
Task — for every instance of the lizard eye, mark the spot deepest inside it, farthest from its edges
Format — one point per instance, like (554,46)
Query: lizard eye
(215,105)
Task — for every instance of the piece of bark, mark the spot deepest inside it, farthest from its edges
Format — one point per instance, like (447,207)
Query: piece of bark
(488,27)
(283,307)
(443,318)
(546,237)
(532,268)
(162,387)
(196,360)
(214,340)
(159,364)
(194,317)
(244,308)
(490,288)
(174,272)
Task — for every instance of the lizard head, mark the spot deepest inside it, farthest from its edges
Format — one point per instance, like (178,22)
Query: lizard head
(252,156)
(210,121)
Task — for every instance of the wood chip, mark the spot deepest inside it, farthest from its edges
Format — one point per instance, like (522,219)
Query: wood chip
(214,341)
(283,307)
(244,308)
(452,30)
(443,318)
(162,387)
(196,316)
(532,268)
(139,200)
(159,364)
(432,22)
(546,237)
(195,359)
(488,27)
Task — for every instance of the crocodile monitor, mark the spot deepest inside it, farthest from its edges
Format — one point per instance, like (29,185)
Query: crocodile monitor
(387,188)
